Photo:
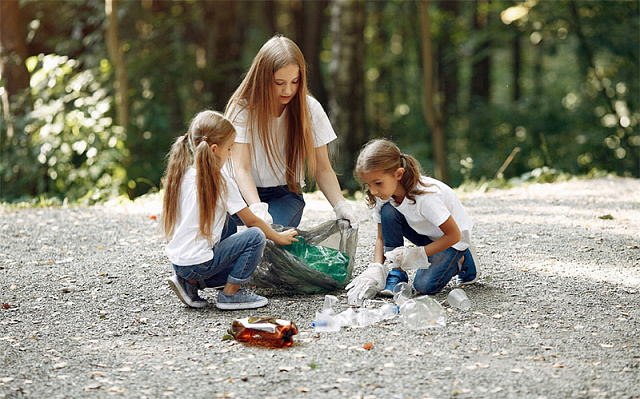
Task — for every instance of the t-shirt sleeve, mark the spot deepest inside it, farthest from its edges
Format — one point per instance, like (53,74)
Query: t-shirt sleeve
(433,208)
(235,201)
(323,132)
(239,119)
(376,210)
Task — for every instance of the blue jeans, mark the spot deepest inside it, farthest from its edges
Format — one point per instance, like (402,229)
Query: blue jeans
(284,206)
(235,258)
(444,264)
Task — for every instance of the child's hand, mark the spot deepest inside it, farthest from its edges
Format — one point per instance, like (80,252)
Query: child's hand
(286,237)
(408,258)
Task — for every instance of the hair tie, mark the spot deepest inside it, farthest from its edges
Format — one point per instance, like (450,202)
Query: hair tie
(403,160)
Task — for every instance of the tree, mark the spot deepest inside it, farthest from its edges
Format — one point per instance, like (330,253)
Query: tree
(346,98)
(481,72)
(431,111)
(116,54)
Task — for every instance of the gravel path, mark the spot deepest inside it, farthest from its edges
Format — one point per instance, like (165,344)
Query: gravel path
(86,310)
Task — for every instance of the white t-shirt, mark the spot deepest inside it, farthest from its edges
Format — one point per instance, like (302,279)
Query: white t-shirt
(187,247)
(430,210)
(263,175)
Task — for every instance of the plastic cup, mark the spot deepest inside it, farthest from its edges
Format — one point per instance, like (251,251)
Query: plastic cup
(329,301)
(458,299)
(402,292)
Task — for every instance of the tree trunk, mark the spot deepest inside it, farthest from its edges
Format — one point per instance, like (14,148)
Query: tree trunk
(116,54)
(13,48)
(310,41)
(224,44)
(481,70)
(346,97)
(448,61)
(516,53)
(433,116)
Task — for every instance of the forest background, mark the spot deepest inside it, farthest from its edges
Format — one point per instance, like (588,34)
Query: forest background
(93,92)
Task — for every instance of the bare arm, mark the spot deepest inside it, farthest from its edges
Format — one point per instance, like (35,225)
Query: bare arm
(251,220)
(378,254)
(326,177)
(450,237)
(241,155)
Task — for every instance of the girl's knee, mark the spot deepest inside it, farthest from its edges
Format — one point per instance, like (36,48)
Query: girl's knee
(256,235)
(426,287)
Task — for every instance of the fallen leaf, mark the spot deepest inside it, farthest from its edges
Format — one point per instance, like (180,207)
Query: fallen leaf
(152,217)
(606,217)
(5,306)
(368,345)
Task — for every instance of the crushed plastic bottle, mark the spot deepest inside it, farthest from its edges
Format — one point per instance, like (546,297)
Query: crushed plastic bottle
(366,317)
(264,331)
(421,313)
(326,322)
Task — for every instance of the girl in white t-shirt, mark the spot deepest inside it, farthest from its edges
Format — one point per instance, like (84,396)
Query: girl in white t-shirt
(282,132)
(194,215)
(425,211)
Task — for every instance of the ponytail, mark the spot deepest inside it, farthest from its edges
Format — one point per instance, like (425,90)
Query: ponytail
(178,160)
(211,187)
(411,177)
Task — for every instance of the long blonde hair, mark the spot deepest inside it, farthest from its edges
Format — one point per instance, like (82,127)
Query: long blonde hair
(193,148)
(256,94)
(382,155)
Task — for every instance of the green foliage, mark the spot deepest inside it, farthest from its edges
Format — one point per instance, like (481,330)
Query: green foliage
(65,145)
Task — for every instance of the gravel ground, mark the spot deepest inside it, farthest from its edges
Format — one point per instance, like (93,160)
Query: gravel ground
(86,310)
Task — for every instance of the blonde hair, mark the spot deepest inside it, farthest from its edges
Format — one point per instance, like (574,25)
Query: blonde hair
(193,148)
(384,156)
(256,94)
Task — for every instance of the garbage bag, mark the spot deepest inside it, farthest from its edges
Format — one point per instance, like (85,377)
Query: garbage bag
(322,260)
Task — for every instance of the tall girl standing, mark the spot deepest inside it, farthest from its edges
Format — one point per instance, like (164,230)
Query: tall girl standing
(282,132)
(194,216)
(425,211)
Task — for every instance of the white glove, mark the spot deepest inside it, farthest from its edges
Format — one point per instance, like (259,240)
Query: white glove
(367,284)
(408,258)
(344,210)
(261,210)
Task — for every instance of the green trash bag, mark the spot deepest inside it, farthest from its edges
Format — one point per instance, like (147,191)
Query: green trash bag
(322,260)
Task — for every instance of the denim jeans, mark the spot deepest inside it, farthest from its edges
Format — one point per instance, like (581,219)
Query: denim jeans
(235,258)
(444,264)
(284,206)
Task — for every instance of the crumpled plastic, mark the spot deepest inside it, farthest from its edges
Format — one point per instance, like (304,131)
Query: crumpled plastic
(283,270)
(367,284)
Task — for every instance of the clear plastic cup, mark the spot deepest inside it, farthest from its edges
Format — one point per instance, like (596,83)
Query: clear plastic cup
(458,299)
(402,292)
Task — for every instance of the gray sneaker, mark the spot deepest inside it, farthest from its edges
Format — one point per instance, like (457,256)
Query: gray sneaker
(188,293)
(242,299)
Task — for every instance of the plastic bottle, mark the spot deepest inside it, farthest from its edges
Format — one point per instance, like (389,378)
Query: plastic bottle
(326,322)
(458,299)
(421,313)
(367,317)
(347,318)
(264,331)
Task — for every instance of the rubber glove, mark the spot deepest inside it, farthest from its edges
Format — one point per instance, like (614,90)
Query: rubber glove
(344,210)
(367,284)
(261,210)
(408,258)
